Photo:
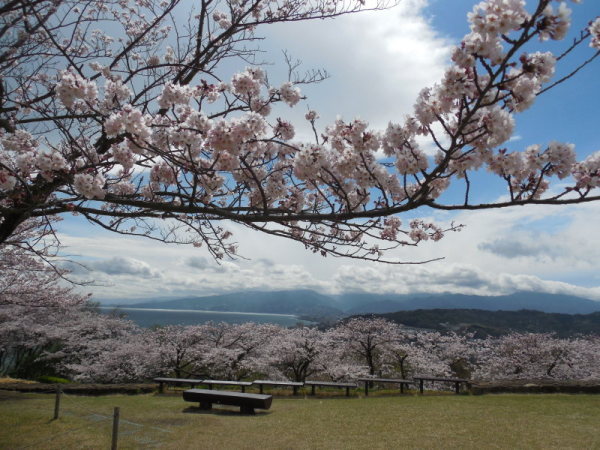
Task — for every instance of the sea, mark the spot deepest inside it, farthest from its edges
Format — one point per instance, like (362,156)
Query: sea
(146,317)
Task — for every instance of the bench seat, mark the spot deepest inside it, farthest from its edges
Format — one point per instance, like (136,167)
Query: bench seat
(314,383)
(242,384)
(457,381)
(400,381)
(274,383)
(162,381)
(246,402)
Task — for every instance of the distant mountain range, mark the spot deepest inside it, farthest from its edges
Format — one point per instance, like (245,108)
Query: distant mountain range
(312,305)
(496,323)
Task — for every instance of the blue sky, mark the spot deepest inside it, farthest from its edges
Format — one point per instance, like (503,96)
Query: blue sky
(378,62)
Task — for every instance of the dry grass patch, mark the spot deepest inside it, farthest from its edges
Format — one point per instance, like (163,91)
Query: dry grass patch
(491,421)
(9,380)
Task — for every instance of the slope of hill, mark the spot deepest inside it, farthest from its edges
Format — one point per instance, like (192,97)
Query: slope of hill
(496,323)
(550,303)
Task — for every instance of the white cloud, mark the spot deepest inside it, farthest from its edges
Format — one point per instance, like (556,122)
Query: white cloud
(451,278)
(563,260)
(379,61)
(119,265)
(524,246)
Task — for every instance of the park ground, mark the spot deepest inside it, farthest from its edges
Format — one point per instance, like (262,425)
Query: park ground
(511,421)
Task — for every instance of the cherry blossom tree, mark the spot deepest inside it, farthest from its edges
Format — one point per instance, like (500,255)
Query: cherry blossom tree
(584,363)
(445,354)
(365,339)
(118,111)
(407,355)
(89,337)
(25,336)
(33,300)
(30,274)
(176,348)
(234,351)
(127,359)
(537,356)
(63,340)
(298,353)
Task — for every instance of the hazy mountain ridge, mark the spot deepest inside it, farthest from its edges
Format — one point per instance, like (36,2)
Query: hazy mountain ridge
(549,303)
(311,303)
(496,323)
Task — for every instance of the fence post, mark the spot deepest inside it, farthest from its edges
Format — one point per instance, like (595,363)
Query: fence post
(115,430)
(57,401)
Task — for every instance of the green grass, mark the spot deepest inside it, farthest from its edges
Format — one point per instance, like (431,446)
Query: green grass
(377,422)
(53,380)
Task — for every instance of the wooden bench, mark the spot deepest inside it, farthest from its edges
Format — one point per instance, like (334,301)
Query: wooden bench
(246,402)
(175,381)
(242,384)
(293,384)
(457,381)
(346,386)
(400,381)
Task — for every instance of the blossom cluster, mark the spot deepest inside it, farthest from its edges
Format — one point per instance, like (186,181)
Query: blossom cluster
(248,82)
(221,19)
(73,87)
(91,186)
(587,172)
(290,94)
(595,33)
(146,116)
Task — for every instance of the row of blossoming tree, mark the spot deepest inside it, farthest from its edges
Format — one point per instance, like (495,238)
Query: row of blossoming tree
(84,345)
(118,110)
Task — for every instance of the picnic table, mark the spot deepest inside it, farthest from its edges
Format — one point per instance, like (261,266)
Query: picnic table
(242,384)
(293,384)
(314,383)
(400,381)
(457,381)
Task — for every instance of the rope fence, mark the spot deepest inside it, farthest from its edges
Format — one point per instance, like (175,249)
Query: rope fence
(109,423)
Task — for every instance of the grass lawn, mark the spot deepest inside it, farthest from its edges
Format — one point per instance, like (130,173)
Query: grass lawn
(377,422)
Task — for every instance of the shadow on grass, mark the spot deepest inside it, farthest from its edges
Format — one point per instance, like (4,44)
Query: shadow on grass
(222,410)
(12,395)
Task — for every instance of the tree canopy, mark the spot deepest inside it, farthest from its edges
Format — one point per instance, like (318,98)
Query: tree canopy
(118,111)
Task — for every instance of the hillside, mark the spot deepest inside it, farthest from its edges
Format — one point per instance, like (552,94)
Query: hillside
(496,323)
(550,303)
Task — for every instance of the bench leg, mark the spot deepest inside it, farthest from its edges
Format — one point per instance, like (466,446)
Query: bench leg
(261,389)
(347,392)
(247,410)
(366,388)
(243,389)
(312,391)
(205,405)
(161,387)
(457,387)
(402,388)
(421,386)
(295,390)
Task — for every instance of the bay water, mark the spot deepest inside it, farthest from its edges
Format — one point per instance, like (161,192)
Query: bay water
(147,317)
